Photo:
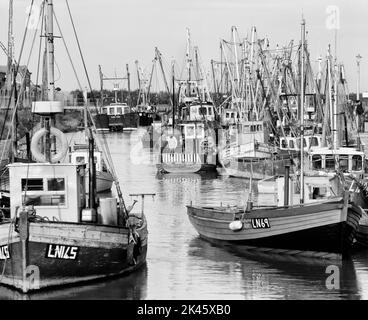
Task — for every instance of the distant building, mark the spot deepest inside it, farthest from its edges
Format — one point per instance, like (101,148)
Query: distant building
(24,90)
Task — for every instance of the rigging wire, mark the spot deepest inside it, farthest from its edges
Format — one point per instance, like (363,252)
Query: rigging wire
(121,202)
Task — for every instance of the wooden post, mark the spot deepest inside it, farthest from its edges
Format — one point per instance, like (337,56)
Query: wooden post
(92,173)
(286,185)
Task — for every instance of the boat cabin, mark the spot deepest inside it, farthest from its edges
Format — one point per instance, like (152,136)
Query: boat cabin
(81,157)
(229,116)
(294,143)
(348,160)
(116,109)
(56,191)
(198,112)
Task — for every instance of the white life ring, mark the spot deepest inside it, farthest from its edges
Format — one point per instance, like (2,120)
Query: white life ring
(172,142)
(38,155)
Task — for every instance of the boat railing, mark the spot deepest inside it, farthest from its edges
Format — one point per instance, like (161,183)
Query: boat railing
(181,158)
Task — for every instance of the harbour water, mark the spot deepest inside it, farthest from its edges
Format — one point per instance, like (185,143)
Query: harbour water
(180,265)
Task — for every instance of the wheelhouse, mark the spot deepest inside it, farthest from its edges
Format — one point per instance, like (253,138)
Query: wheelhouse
(116,109)
(293,143)
(346,159)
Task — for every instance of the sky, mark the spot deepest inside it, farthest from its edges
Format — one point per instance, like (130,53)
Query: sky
(113,33)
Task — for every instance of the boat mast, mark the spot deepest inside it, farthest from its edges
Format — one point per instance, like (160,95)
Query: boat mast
(10,41)
(173,96)
(302,116)
(158,56)
(50,74)
(128,79)
(188,56)
(101,85)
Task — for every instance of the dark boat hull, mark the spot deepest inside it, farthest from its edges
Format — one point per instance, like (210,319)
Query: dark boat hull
(44,260)
(185,168)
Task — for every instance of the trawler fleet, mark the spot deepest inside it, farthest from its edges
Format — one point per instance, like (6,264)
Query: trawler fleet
(263,114)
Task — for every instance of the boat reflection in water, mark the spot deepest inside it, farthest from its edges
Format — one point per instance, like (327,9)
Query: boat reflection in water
(256,275)
(131,287)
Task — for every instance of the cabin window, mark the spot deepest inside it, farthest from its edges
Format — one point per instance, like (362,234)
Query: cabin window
(330,162)
(357,164)
(227,116)
(291,144)
(210,111)
(119,110)
(32,184)
(111,110)
(317,162)
(203,111)
(283,144)
(232,115)
(104,110)
(80,160)
(319,192)
(49,192)
(314,142)
(56,184)
(344,162)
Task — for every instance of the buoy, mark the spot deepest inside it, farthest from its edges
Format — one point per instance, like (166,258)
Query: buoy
(236,225)
(38,155)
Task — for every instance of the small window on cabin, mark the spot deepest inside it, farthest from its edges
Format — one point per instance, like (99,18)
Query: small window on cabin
(314,142)
(119,110)
(111,110)
(45,200)
(330,162)
(227,116)
(210,111)
(104,110)
(283,144)
(357,164)
(56,184)
(32,184)
(319,192)
(80,160)
(317,162)
(232,115)
(298,144)
(344,162)
(291,144)
(203,111)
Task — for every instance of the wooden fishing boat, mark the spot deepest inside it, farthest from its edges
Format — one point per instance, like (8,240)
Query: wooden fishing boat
(325,219)
(59,232)
(327,224)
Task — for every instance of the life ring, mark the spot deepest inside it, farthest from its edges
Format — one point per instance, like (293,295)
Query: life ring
(38,155)
(172,142)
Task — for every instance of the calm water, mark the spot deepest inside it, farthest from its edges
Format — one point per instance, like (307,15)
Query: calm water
(180,265)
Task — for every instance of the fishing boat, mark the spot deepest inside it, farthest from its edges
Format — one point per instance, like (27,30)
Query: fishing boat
(121,115)
(188,144)
(325,219)
(59,232)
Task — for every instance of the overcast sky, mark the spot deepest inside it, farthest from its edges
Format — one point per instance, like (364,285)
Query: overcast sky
(116,32)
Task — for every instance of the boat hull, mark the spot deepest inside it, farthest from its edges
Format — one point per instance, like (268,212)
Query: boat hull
(40,262)
(325,227)
(185,168)
(255,169)
(104,181)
